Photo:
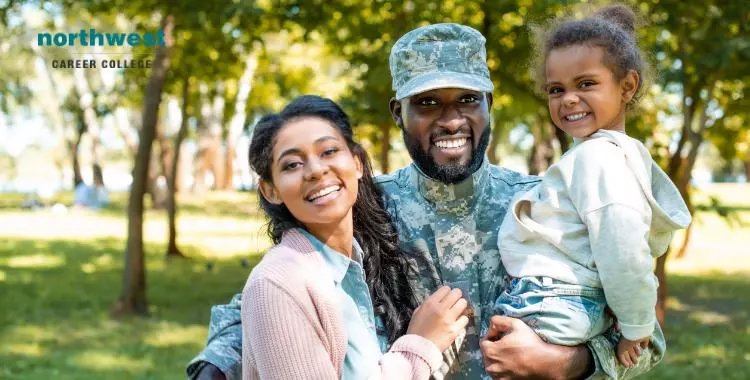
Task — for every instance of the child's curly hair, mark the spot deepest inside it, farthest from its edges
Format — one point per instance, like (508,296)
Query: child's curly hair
(612,28)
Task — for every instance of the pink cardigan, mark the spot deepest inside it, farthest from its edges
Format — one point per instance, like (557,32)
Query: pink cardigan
(292,324)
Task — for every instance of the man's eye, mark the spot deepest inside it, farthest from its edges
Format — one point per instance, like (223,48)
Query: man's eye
(427,102)
(470,99)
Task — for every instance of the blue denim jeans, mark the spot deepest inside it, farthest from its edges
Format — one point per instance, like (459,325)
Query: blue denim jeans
(558,312)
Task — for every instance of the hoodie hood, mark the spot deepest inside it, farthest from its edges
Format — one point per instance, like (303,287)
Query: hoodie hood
(669,212)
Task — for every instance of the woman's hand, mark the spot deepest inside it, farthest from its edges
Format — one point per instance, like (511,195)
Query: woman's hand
(439,318)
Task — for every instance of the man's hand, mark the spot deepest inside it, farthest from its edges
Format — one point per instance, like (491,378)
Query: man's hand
(210,372)
(512,350)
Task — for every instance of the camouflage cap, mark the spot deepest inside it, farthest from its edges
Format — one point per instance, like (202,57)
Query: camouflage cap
(439,56)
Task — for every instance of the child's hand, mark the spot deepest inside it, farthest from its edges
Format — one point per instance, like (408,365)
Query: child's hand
(628,351)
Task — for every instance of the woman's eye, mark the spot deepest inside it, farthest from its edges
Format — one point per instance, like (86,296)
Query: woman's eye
(330,151)
(291,166)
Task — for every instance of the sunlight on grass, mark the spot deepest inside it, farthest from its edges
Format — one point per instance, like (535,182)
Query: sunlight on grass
(99,360)
(709,318)
(712,351)
(32,333)
(175,336)
(25,349)
(35,261)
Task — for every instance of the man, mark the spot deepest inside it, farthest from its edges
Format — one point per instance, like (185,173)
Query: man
(447,207)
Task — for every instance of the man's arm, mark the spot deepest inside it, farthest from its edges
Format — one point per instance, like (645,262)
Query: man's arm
(512,350)
(224,347)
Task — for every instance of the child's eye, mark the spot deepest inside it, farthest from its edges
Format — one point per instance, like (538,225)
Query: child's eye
(554,90)
(586,83)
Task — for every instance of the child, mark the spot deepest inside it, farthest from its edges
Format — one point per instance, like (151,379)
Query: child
(586,236)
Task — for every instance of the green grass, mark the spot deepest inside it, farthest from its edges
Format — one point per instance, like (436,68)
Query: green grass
(60,273)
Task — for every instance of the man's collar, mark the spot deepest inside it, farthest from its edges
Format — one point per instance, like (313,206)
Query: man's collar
(442,193)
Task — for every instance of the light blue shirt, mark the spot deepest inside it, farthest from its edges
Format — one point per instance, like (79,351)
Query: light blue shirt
(363,345)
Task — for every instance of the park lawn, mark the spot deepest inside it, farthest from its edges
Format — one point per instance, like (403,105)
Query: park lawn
(61,272)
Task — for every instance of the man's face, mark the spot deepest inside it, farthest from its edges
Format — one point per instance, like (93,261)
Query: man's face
(446,131)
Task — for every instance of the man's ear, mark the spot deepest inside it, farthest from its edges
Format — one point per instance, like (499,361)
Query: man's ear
(630,85)
(396,109)
(269,192)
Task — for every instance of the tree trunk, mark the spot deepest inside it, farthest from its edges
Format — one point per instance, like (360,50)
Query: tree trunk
(133,297)
(494,142)
(209,141)
(238,120)
(661,292)
(562,139)
(385,147)
(73,145)
(122,122)
(86,101)
(66,130)
(172,250)
(542,153)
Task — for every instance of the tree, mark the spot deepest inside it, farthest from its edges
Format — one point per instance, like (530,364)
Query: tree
(172,249)
(695,66)
(133,297)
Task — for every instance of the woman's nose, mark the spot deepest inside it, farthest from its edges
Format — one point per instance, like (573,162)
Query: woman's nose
(315,168)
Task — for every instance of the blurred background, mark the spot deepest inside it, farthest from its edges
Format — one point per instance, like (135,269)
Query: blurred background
(127,207)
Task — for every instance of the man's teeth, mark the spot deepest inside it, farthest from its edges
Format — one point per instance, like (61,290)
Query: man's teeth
(325,191)
(451,143)
(576,116)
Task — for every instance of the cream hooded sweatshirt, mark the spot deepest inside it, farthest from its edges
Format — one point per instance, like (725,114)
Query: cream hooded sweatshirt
(598,218)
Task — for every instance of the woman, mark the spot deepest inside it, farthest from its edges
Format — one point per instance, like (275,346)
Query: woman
(309,307)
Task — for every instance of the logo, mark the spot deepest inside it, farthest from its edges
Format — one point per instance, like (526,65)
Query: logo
(91,37)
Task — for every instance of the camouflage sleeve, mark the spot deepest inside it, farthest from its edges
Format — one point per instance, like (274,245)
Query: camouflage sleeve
(224,346)
(607,365)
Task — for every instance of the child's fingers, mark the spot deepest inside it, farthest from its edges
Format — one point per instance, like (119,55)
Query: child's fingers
(644,344)
(637,350)
(633,357)
(624,359)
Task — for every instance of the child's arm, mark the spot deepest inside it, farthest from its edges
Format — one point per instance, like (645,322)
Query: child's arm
(618,235)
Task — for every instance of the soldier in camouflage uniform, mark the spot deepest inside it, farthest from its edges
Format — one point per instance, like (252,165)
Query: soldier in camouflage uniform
(447,207)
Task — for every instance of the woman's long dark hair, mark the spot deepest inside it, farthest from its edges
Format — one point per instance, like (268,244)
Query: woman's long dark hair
(385,265)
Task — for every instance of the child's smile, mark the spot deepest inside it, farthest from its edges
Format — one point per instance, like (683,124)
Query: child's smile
(583,93)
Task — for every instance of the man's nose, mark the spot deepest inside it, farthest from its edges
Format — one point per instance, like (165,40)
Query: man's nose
(451,119)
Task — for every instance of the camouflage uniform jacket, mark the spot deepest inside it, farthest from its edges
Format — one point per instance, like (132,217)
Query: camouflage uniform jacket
(451,234)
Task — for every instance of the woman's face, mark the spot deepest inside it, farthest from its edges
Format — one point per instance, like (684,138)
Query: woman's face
(313,172)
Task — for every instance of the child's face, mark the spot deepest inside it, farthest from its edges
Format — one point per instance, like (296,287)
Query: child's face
(583,93)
